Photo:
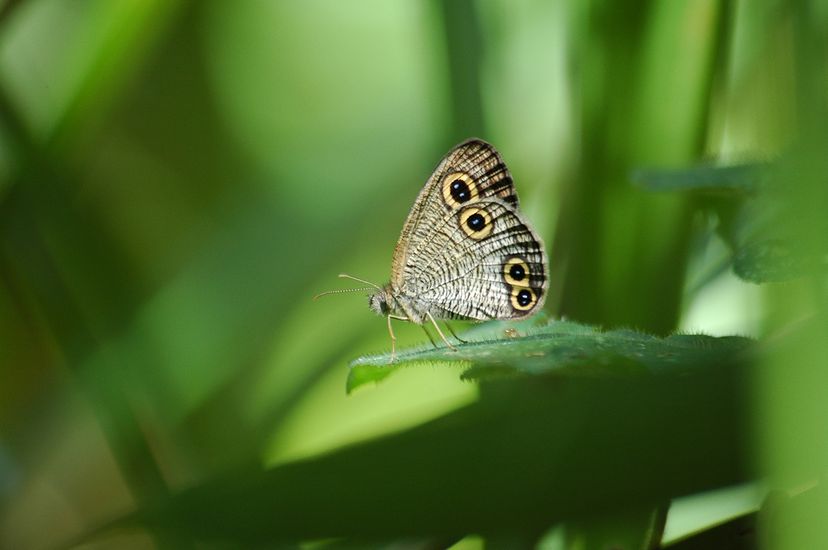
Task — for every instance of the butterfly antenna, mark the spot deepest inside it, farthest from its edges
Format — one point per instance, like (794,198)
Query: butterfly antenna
(341,291)
(357,279)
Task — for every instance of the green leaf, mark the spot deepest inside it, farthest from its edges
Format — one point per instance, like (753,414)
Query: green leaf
(559,346)
(765,228)
(736,180)
(531,453)
(771,241)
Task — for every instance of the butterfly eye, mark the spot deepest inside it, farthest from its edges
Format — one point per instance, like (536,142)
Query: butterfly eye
(516,272)
(476,223)
(523,299)
(458,189)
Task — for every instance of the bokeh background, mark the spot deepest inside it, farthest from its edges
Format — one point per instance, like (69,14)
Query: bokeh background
(178,179)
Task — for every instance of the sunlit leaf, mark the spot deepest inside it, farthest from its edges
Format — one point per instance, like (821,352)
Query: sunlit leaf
(559,346)
(532,452)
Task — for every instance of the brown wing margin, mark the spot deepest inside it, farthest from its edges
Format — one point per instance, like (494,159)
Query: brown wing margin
(483,163)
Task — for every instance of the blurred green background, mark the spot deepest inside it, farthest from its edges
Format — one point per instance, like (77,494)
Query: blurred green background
(178,179)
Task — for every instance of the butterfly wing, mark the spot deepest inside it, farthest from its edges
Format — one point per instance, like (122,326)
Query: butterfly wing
(466,251)
(483,262)
(471,171)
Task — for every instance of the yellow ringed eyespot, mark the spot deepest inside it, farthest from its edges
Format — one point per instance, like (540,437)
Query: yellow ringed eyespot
(476,223)
(523,299)
(458,189)
(516,272)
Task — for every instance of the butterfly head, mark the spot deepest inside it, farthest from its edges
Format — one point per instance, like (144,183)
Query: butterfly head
(383,301)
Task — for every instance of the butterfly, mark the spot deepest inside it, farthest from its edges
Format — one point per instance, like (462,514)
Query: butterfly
(466,250)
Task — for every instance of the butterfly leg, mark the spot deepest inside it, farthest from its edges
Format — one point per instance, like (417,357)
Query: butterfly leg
(391,333)
(440,332)
(451,330)
(430,339)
